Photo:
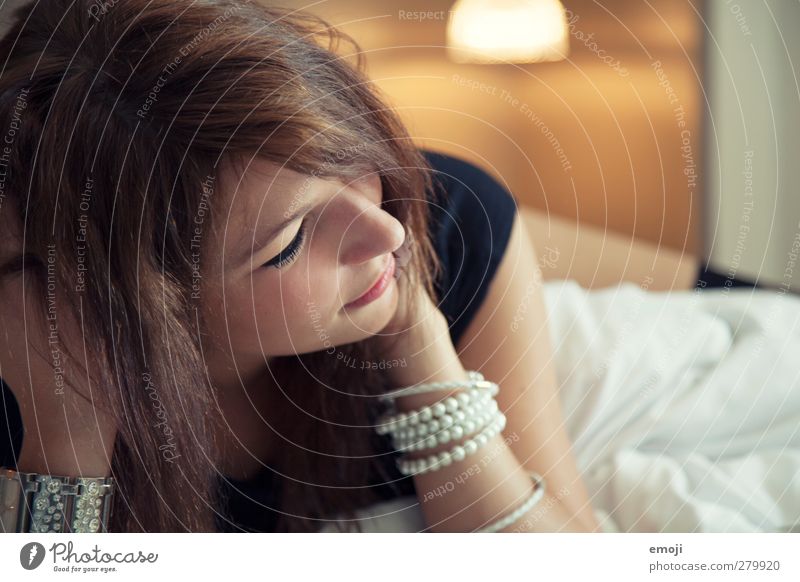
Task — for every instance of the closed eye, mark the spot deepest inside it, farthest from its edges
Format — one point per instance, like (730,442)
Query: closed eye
(289,254)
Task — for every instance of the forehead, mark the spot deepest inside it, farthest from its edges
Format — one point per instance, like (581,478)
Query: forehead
(257,195)
(255,186)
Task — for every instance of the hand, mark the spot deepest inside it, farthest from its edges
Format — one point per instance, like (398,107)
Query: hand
(418,334)
(415,308)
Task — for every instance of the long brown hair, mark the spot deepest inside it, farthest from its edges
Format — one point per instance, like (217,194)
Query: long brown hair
(129,108)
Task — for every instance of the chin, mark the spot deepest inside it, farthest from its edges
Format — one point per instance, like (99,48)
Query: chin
(376,316)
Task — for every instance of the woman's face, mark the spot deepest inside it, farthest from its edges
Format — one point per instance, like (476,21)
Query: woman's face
(291,252)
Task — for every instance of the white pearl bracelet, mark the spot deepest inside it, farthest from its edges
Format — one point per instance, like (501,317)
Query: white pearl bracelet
(449,406)
(535,497)
(475,380)
(442,414)
(457,453)
(440,432)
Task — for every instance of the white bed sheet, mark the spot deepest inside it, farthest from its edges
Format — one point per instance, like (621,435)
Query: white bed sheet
(683,408)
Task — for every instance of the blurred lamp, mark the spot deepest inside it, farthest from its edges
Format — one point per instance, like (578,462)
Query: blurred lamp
(520,31)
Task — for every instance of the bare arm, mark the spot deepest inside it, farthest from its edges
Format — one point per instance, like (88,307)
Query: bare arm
(508,341)
(483,487)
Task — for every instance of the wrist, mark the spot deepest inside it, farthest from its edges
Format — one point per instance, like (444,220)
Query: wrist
(431,366)
(428,351)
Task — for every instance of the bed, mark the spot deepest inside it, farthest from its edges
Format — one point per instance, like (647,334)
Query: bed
(683,406)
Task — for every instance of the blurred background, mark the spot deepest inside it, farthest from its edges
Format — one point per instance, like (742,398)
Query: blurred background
(652,141)
(664,131)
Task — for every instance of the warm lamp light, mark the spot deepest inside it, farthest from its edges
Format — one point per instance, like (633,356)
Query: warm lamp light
(521,31)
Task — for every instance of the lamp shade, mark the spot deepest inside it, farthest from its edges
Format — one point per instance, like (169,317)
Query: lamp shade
(491,31)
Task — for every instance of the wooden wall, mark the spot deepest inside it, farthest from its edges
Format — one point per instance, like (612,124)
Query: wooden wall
(609,137)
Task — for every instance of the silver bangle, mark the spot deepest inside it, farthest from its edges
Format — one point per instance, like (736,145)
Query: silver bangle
(536,496)
(33,502)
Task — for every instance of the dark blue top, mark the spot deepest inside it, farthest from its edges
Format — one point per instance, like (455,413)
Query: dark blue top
(471,220)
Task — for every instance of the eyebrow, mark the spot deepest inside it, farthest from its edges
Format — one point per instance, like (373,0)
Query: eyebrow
(254,241)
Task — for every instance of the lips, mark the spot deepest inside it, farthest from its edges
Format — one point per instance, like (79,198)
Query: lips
(378,287)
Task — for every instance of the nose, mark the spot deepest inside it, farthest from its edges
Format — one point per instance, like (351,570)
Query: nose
(369,231)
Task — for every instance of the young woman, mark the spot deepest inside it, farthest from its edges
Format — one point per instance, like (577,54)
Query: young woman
(220,248)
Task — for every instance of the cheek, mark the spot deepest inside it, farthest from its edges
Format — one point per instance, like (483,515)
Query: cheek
(269,305)
(280,314)
(301,302)
(286,303)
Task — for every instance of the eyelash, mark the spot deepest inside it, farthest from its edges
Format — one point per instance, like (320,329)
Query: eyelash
(288,255)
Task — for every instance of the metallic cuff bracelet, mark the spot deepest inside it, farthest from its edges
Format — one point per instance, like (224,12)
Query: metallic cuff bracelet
(31,502)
